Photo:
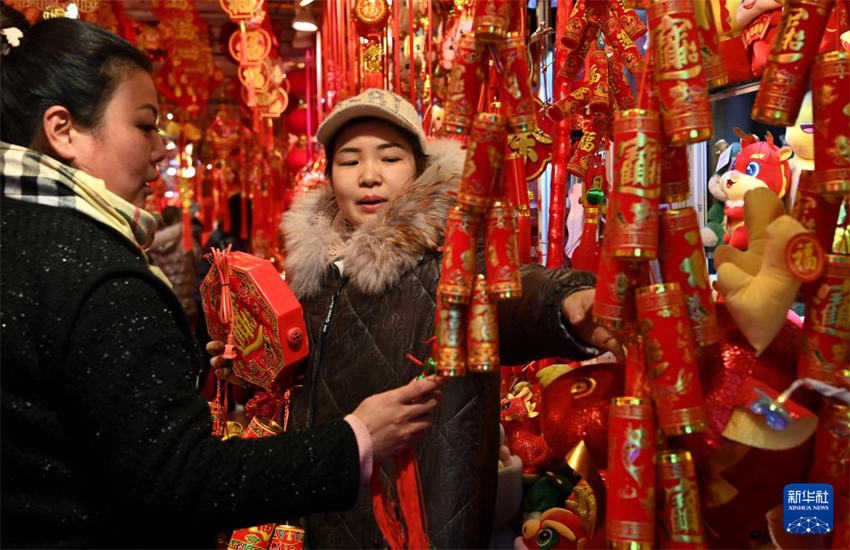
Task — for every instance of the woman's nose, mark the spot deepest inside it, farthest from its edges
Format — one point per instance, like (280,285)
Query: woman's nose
(158,151)
(370,176)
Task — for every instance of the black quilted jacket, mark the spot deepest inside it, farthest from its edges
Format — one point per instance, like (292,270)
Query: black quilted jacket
(363,324)
(105,439)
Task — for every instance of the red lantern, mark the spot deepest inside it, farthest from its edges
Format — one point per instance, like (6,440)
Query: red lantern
(370,15)
(296,121)
(297,79)
(268,332)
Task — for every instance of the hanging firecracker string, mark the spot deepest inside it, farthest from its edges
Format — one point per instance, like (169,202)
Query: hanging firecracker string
(396,34)
(410,53)
(560,155)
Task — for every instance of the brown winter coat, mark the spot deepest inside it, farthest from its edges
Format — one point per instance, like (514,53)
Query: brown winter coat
(363,324)
(180,266)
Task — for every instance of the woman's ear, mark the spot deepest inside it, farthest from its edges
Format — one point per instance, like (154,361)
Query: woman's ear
(57,126)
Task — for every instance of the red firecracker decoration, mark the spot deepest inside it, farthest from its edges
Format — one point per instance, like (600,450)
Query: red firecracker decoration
(464,85)
(671,358)
(679,77)
(630,505)
(825,349)
(681,517)
(786,77)
(683,262)
(482,338)
(817,212)
(637,171)
(831,113)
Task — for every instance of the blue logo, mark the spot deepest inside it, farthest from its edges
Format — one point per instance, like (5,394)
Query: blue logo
(807,508)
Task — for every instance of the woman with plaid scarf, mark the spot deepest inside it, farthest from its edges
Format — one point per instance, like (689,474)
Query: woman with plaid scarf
(106,440)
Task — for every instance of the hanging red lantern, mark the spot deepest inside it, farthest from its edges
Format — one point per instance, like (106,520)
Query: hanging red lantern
(297,157)
(297,79)
(296,121)
(370,16)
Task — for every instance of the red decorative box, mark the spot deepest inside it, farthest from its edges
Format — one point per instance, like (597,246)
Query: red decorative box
(269,335)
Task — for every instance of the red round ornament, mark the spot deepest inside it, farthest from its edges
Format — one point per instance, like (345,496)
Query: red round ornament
(370,16)
(258,45)
(804,257)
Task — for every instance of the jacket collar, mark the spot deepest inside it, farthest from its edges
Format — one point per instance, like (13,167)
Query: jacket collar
(378,254)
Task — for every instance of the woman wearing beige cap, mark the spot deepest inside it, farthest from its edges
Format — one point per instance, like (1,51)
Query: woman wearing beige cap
(363,256)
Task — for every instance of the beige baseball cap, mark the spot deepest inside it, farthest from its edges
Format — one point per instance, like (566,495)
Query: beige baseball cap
(373,103)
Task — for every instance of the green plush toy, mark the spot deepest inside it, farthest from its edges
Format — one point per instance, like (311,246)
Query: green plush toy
(715,222)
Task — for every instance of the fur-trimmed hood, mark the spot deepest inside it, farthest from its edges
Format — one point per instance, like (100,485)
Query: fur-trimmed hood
(377,254)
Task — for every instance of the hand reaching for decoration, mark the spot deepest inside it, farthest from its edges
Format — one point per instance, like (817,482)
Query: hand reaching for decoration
(757,285)
(576,310)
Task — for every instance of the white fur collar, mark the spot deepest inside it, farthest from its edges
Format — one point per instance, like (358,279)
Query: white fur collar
(378,254)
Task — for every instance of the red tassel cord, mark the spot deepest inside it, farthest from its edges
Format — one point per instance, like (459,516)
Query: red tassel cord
(225,310)
(402,523)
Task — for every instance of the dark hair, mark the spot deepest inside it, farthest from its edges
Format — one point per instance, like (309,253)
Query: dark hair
(419,156)
(171,215)
(64,62)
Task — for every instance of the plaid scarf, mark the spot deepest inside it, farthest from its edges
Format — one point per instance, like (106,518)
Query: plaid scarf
(36,178)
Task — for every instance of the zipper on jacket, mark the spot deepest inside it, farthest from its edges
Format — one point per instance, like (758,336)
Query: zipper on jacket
(314,379)
(314,375)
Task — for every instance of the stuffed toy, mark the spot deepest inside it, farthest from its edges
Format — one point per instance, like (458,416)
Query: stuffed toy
(519,416)
(758,21)
(759,164)
(570,521)
(715,226)
(801,139)
(757,285)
